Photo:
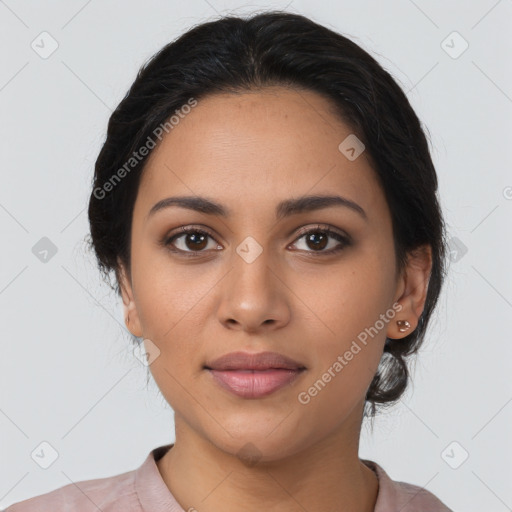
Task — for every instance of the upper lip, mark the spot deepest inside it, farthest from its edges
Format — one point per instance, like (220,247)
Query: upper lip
(259,361)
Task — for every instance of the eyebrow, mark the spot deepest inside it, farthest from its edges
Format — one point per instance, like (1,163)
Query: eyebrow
(284,209)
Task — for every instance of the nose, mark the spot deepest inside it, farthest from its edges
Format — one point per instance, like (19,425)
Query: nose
(254,296)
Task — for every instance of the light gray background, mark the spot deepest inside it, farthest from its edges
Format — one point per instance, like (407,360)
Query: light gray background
(67,374)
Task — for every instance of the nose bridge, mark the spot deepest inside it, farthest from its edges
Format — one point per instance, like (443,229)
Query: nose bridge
(253,294)
(253,273)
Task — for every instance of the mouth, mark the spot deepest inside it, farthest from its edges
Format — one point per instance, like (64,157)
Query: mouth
(254,375)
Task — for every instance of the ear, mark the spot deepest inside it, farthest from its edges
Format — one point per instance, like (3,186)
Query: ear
(412,290)
(131,316)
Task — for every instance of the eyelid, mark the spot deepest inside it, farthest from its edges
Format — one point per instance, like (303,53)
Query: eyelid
(192,228)
(321,227)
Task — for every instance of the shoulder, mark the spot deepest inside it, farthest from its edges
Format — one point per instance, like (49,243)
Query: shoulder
(110,494)
(402,496)
(414,498)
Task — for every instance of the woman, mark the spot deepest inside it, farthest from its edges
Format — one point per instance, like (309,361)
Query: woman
(266,199)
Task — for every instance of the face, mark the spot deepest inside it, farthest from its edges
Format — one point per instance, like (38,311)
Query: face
(264,277)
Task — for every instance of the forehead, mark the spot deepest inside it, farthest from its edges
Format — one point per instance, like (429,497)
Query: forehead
(256,148)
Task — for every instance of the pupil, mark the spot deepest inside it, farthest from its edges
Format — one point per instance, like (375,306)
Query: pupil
(321,244)
(197,239)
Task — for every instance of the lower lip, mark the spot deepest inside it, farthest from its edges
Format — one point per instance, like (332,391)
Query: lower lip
(254,383)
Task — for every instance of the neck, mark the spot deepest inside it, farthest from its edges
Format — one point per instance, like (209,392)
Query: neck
(325,476)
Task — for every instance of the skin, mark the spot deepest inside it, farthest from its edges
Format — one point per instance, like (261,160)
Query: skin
(248,152)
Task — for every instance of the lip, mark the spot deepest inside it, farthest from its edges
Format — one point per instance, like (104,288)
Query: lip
(254,375)
(255,361)
(254,383)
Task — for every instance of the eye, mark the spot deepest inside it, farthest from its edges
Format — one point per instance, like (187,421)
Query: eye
(318,239)
(191,239)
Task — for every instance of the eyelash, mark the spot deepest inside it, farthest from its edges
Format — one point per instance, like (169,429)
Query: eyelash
(344,240)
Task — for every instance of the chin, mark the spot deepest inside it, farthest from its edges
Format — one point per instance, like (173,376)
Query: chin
(256,446)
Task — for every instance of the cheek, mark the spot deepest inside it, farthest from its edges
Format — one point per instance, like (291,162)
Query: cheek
(351,315)
(170,297)
(347,302)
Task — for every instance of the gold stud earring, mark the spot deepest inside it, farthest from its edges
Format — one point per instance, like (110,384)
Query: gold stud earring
(403,325)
